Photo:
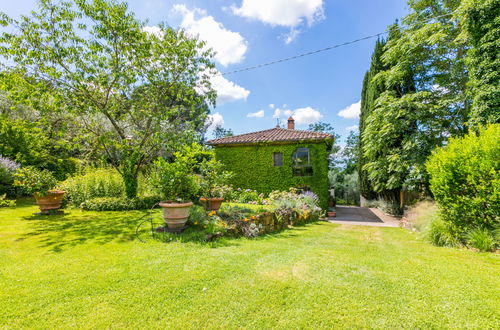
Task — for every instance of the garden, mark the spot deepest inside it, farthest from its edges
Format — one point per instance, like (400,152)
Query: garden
(192,174)
(114,212)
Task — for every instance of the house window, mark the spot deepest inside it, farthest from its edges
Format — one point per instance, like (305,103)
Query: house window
(301,157)
(278,159)
(301,163)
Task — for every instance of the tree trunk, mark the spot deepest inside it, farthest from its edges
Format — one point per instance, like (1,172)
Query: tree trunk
(129,172)
(130,181)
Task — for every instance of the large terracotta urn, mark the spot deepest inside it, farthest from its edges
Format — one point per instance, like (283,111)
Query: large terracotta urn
(50,201)
(175,214)
(211,204)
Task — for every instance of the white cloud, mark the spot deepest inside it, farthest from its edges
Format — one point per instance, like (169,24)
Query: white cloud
(258,114)
(271,106)
(215,120)
(291,36)
(352,128)
(230,46)
(227,91)
(302,116)
(287,13)
(351,111)
(153,30)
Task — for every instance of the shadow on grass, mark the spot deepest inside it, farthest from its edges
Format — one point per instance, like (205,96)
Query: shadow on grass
(76,227)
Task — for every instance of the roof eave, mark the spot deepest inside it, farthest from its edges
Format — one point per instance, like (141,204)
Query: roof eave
(270,142)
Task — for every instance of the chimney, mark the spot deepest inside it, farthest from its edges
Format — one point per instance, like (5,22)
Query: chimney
(291,123)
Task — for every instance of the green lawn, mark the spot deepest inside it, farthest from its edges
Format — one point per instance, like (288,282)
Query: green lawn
(87,270)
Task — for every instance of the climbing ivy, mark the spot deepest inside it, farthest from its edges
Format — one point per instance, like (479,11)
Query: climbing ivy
(253,167)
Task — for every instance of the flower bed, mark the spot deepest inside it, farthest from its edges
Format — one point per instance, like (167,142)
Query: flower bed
(284,209)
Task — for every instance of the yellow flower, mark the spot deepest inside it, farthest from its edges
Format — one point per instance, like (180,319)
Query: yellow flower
(245,219)
(196,222)
(212,213)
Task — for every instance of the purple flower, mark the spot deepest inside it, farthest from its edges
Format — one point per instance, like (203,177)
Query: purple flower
(310,194)
(8,164)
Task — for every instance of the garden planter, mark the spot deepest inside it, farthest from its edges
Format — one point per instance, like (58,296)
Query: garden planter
(175,214)
(331,214)
(50,201)
(211,204)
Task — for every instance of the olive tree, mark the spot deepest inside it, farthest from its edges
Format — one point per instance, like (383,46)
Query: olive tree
(133,91)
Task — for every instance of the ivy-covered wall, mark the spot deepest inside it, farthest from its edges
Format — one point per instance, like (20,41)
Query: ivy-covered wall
(253,167)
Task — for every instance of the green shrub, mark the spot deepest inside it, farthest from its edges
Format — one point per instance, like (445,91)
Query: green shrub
(6,202)
(119,203)
(33,180)
(439,233)
(465,180)
(175,181)
(481,239)
(247,196)
(96,183)
(29,144)
(213,179)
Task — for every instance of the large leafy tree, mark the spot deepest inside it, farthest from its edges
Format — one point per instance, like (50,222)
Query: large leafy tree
(480,21)
(134,92)
(425,100)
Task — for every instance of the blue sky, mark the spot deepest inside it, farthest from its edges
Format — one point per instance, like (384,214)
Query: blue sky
(249,32)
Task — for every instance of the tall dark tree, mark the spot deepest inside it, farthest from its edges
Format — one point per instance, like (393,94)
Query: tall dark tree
(370,92)
(221,132)
(481,27)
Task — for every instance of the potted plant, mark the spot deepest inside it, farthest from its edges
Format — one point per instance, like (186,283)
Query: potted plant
(213,184)
(177,184)
(40,183)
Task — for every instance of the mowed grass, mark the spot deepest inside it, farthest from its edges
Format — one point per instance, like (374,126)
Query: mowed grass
(87,270)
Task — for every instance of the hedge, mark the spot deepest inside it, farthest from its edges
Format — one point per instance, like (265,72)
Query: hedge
(465,180)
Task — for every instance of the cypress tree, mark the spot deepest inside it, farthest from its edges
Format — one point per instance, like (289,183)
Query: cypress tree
(481,24)
(370,92)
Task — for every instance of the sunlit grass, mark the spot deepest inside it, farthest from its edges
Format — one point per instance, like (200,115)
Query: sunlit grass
(87,269)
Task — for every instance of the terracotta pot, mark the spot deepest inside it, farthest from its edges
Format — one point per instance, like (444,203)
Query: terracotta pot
(332,214)
(175,214)
(51,200)
(211,204)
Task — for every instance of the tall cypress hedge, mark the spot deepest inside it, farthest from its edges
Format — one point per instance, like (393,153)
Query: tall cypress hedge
(369,94)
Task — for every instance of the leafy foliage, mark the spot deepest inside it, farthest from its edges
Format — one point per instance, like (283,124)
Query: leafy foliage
(33,180)
(6,202)
(119,203)
(422,100)
(221,132)
(213,178)
(97,182)
(482,239)
(176,180)
(439,233)
(134,92)
(29,145)
(465,180)
(481,29)
(342,175)
(371,90)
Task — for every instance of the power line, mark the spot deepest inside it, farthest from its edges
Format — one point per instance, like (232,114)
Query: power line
(285,59)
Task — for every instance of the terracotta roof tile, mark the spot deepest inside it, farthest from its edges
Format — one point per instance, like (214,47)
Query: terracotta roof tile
(276,134)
